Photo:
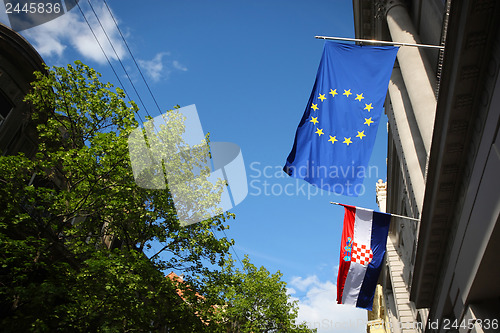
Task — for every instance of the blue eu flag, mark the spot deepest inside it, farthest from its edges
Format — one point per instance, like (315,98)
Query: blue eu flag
(335,137)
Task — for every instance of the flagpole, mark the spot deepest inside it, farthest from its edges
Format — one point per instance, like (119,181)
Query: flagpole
(396,44)
(396,215)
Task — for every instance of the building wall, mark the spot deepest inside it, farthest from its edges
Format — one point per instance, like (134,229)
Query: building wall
(410,108)
(442,151)
(455,271)
(18,61)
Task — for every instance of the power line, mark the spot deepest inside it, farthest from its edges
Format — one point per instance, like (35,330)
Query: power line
(152,95)
(109,62)
(102,49)
(128,76)
(116,54)
(235,253)
(118,57)
(132,55)
(231,246)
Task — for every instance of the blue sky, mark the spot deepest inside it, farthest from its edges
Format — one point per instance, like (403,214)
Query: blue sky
(249,67)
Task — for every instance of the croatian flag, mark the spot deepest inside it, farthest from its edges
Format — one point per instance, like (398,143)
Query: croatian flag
(361,255)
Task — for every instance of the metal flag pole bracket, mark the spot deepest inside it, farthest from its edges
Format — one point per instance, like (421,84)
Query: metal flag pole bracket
(370,41)
(395,215)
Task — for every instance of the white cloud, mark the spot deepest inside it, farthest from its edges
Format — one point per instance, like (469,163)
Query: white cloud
(53,37)
(302,284)
(158,68)
(154,68)
(179,66)
(71,31)
(86,43)
(319,309)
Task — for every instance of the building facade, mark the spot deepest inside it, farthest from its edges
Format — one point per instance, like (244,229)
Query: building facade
(18,61)
(444,115)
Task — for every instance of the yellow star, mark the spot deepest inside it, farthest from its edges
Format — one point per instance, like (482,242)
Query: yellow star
(361,135)
(347,92)
(368,107)
(322,97)
(314,120)
(314,107)
(368,121)
(333,92)
(333,139)
(347,141)
(359,97)
(319,131)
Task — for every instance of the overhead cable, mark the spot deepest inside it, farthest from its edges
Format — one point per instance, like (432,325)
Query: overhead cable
(132,55)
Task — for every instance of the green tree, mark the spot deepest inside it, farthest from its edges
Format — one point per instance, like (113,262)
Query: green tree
(252,300)
(74,224)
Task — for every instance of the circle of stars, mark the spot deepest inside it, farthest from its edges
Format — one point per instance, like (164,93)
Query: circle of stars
(347,93)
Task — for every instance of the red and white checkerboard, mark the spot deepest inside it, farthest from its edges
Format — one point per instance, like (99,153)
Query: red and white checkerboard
(361,254)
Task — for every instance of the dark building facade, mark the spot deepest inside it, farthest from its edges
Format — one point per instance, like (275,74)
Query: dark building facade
(18,61)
